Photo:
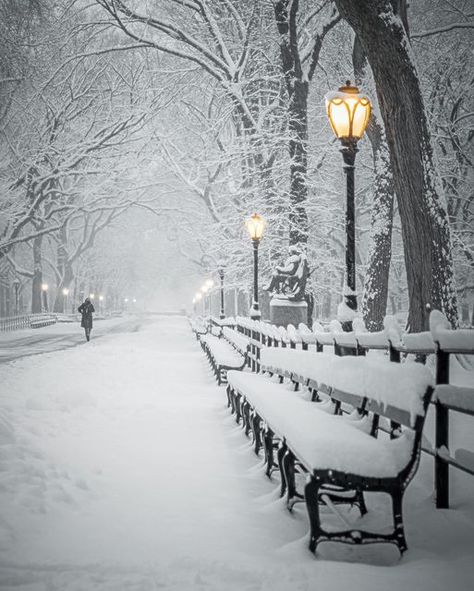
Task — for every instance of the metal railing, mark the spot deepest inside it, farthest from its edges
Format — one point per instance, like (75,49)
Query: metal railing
(27,321)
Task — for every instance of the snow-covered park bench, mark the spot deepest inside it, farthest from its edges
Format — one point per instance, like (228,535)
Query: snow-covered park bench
(198,326)
(342,456)
(226,350)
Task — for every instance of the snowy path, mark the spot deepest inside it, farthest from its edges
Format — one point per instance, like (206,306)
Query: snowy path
(22,343)
(121,469)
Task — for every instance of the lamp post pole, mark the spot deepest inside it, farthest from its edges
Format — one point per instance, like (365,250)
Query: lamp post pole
(255,311)
(349,151)
(221,277)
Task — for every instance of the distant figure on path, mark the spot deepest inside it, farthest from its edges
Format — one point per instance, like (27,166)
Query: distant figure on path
(86,309)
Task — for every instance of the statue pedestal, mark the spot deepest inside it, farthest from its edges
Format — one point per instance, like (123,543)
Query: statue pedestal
(283,312)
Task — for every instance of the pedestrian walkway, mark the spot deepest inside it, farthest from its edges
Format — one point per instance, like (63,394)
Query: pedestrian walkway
(121,468)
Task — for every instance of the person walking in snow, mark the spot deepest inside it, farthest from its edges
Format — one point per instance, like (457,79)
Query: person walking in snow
(86,309)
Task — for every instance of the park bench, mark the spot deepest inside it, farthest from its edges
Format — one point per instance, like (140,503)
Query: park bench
(198,326)
(225,350)
(341,459)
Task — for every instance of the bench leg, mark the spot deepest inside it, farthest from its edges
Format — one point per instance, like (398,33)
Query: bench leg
(399,530)
(238,413)
(268,448)
(246,414)
(312,505)
(256,428)
(289,472)
(282,449)
(229,403)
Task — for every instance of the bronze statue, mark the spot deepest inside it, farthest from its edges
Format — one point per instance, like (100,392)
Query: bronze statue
(289,280)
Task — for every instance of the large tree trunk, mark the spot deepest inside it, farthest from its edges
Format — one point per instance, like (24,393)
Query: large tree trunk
(425,228)
(374,299)
(66,273)
(36,294)
(297,88)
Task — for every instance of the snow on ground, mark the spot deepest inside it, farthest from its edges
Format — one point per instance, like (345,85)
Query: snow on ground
(122,469)
(31,341)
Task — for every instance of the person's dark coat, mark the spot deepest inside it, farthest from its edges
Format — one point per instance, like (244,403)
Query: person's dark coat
(86,310)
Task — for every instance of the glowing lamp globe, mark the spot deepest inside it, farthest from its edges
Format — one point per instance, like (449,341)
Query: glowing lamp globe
(348,112)
(198,296)
(44,287)
(65,291)
(255,226)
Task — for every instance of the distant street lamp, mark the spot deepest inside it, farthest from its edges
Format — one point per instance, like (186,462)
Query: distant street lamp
(65,295)
(16,286)
(205,291)
(92,296)
(255,226)
(221,278)
(349,113)
(198,297)
(101,304)
(44,291)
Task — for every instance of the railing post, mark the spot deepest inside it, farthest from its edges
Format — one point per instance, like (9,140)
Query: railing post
(441,433)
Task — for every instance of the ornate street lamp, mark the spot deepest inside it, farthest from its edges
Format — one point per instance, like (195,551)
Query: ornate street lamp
(220,270)
(349,113)
(198,298)
(65,294)
(205,291)
(44,291)
(255,226)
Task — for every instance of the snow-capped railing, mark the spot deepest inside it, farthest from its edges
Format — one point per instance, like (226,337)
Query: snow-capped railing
(14,322)
(454,390)
(27,321)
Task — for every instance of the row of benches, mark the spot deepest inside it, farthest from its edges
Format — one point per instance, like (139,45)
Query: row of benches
(225,347)
(375,446)
(449,353)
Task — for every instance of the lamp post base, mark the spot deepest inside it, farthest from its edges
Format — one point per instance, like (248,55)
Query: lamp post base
(347,311)
(255,314)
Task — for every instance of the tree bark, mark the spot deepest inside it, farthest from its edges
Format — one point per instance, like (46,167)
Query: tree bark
(374,298)
(297,88)
(36,302)
(425,227)
(376,280)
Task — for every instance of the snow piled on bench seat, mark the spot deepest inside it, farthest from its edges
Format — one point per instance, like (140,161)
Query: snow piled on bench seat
(319,440)
(400,385)
(222,351)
